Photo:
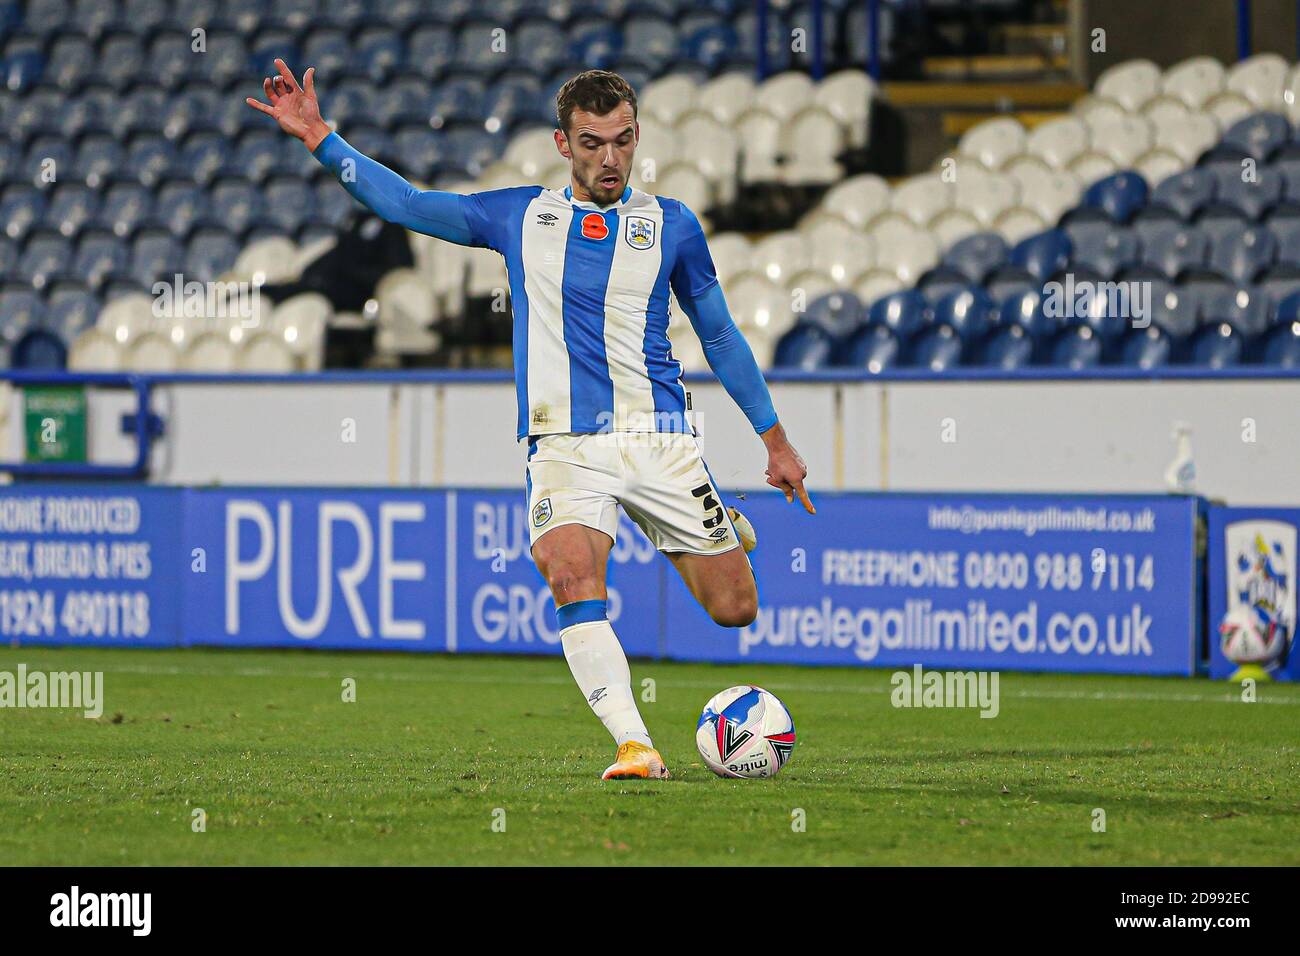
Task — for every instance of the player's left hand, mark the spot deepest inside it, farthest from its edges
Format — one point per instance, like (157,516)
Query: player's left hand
(785,469)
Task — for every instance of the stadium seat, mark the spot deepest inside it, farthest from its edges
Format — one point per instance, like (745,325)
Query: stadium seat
(1172,248)
(978,255)
(969,312)
(1102,247)
(1119,196)
(1130,84)
(1217,346)
(1042,254)
(904,313)
(938,349)
(1260,79)
(1076,347)
(1240,253)
(1282,346)
(1008,348)
(993,142)
(1146,348)
(1195,80)
(870,348)
(1186,194)
(806,346)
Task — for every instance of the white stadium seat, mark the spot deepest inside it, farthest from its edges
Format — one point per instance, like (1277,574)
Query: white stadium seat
(907,254)
(665,99)
(812,142)
(719,162)
(836,247)
(994,141)
(301,321)
(684,182)
(859,199)
(758,302)
(985,194)
(780,254)
(732,254)
(786,95)
(1131,83)
(952,225)
(1058,142)
(1188,137)
(1159,164)
(1261,79)
(847,96)
(268,261)
(656,150)
(531,152)
(209,352)
(1122,138)
(1228,107)
(921,198)
(728,96)
(151,352)
(758,131)
(125,317)
(805,286)
(1018,223)
(1291,96)
(264,352)
(1098,109)
(1092,166)
(95,350)
(874,283)
(1165,108)
(1046,192)
(1195,80)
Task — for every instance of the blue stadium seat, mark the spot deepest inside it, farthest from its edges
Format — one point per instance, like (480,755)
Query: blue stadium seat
(513,101)
(472,150)
(710,44)
(180,206)
(258,155)
(8,258)
(1174,249)
(1257,136)
(483,48)
(938,349)
(459,99)
(1146,348)
(1242,307)
(98,158)
(46,256)
(1008,348)
(21,208)
(937,282)
(155,254)
(1042,254)
(1217,346)
(1251,199)
(1102,248)
(227,59)
(237,203)
(121,59)
(420,152)
(143,16)
(1025,310)
(210,252)
(47,155)
(93,18)
(837,312)
(287,201)
(1174,310)
(333,204)
(594,46)
(70,62)
(904,313)
(20,309)
(328,50)
(70,208)
(976,256)
(99,256)
(39,349)
(1186,194)
(806,346)
(171,58)
(778,41)
(291,14)
(35,113)
(545,43)
(204,155)
(405,100)
(125,207)
(1076,347)
(1242,253)
(22,69)
(651,39)
(71,311)
(1282,346)
(1119,196)
(194,109)
(969,312)
(346,14)
(870,348)
(269,45)
(352,100)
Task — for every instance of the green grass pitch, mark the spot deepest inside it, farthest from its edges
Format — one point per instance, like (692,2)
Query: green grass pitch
(436,748)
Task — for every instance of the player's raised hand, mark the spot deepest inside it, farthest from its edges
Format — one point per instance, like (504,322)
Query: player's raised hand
(294,107)
(785,469)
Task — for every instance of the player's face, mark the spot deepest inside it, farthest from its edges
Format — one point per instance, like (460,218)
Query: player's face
(601,149)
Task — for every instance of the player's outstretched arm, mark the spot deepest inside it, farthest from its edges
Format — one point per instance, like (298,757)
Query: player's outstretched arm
(732,360)
(387,194)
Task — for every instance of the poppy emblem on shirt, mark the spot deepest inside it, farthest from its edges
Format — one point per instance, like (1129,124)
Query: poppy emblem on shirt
(593,226)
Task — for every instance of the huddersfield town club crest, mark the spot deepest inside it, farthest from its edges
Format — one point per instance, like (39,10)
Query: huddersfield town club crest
(1261,563)
(640,232)
(541,512)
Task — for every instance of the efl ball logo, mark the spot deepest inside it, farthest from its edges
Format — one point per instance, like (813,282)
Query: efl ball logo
(745,731)
(594,227)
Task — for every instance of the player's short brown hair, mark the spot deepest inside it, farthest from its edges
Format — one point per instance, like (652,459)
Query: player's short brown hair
(596,91)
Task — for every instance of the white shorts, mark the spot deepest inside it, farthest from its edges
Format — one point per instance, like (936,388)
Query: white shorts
(658,477)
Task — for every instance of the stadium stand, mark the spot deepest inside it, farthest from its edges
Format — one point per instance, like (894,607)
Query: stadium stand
(1139,182)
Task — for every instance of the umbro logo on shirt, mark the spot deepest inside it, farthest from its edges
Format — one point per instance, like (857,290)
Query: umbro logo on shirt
(547,219)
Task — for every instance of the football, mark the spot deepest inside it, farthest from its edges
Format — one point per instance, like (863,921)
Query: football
(1246,638)
(745,731)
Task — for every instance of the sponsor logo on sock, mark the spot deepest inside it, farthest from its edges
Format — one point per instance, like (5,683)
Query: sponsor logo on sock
(596,696)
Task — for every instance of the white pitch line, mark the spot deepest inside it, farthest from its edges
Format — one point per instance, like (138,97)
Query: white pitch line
(406,677)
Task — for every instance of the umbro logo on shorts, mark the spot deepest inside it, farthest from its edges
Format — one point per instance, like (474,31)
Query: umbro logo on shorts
(719,533)
(541,512)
